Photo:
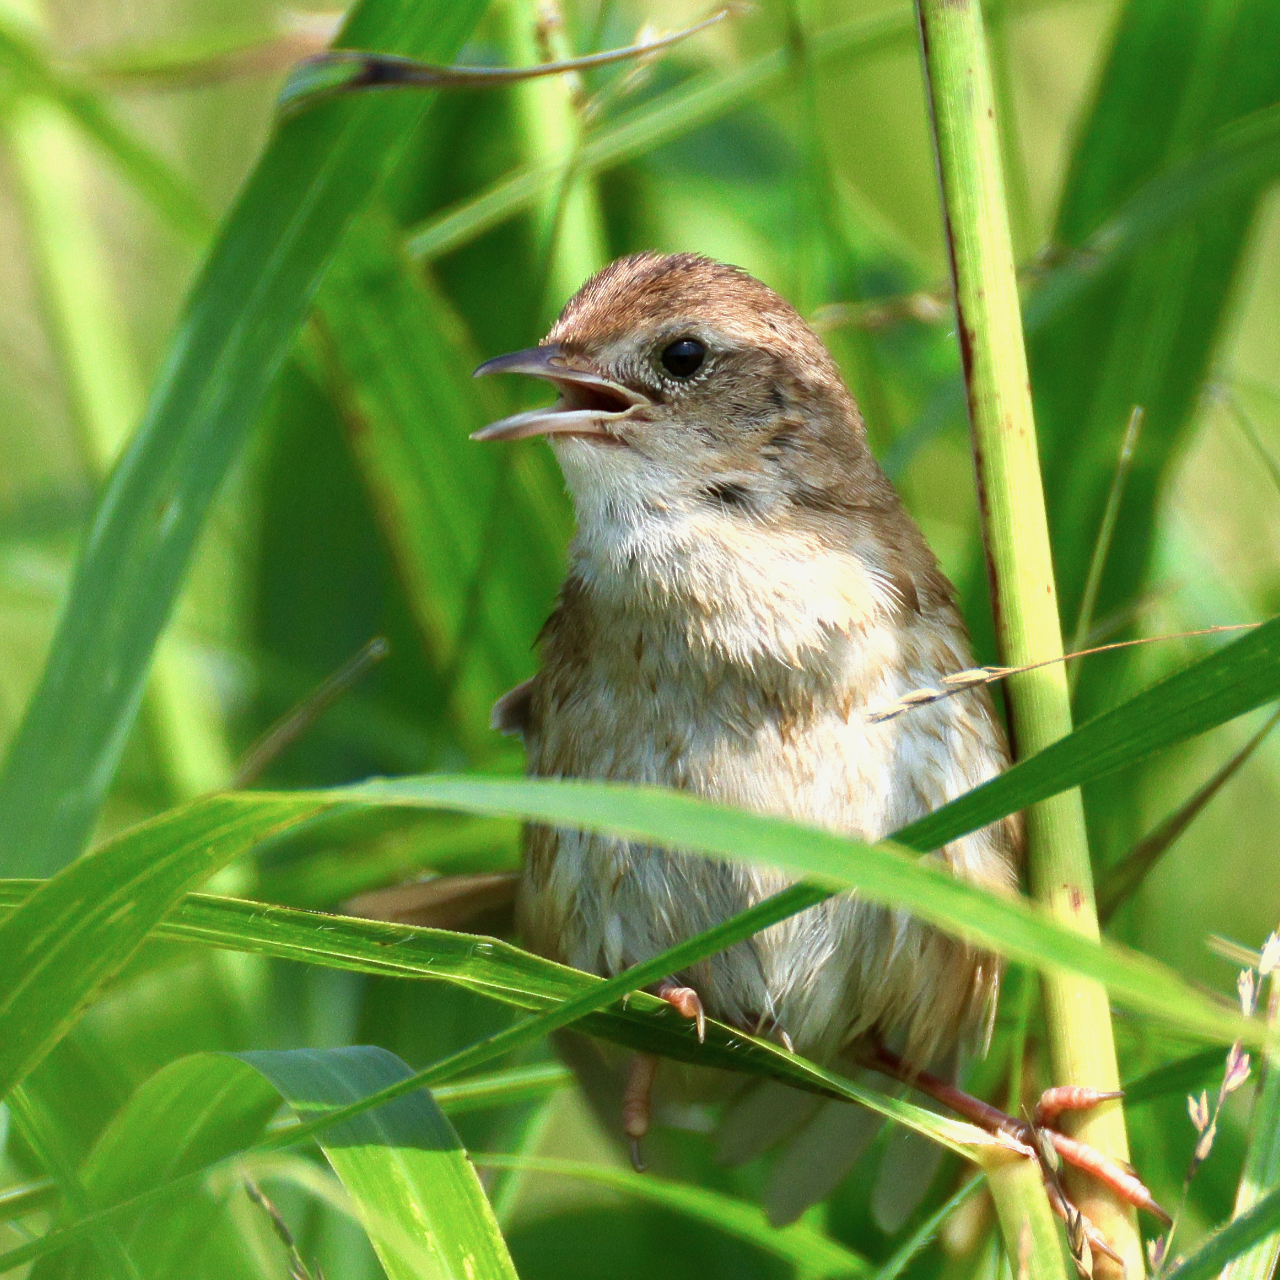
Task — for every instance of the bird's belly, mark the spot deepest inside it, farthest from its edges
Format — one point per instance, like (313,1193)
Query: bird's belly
(841,969)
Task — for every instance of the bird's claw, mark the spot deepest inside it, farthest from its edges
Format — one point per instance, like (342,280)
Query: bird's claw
(687,1002)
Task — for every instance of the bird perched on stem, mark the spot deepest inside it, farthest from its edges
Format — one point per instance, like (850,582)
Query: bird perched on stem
(744,585)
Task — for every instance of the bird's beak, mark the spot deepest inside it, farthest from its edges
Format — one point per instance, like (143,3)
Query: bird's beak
(588,402)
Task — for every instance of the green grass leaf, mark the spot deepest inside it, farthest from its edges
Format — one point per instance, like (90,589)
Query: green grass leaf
(191,1113)
(317,174)
(413,1188)
(81,927)
(1239,1235)
(800,1244)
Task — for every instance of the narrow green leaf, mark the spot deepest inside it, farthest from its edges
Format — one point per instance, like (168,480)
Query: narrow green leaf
(800,1244)
(502,1088)
(1239,1235)
(78,929)
(189,1114)
(615,1010)
(1122,880)
(674,114)
(244,312)
(1237,678)
(402,1164)
(82,926)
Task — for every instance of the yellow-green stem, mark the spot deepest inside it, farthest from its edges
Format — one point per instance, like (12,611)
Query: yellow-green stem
(1032,1240)
(989,324)
(569,222)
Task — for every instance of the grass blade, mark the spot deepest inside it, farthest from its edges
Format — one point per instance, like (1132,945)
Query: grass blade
(1239,1235)
(150,176)
(318,172)
(1120,882)
(81,927)
(413,1187)
(811,1253)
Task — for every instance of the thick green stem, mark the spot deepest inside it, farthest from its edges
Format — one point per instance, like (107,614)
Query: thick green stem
(989,323)
(570,225)
(1032,1239)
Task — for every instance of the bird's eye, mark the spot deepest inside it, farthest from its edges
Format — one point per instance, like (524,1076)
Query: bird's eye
(683,358)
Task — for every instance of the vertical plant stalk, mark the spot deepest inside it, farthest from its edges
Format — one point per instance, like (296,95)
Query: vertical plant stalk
(989,324)
(569,222)
(105,389)
(1032,1240)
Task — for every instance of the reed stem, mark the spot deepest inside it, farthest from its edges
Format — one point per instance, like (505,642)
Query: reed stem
(989,324)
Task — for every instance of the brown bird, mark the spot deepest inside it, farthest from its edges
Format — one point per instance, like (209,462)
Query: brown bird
(743,587)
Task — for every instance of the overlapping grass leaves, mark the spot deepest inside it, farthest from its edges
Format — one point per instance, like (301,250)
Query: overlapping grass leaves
(241,320)
(82,926)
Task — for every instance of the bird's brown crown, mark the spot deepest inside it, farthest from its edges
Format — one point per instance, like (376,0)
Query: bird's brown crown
(648,290)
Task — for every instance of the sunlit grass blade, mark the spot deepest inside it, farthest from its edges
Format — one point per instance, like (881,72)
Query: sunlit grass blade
(800,1244)
(190,1113)
(1123,879)
(1239,1235)
(145,873)
(412,1185)
(240,323)
(502,1088)
(1237,678)
(81,927)
(506,973)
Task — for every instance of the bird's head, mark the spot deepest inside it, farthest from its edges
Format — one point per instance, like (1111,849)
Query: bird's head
(685,384)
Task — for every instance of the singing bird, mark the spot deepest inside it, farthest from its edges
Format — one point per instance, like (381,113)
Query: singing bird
(744,586)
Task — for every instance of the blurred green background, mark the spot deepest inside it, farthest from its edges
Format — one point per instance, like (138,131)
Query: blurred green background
(360,510)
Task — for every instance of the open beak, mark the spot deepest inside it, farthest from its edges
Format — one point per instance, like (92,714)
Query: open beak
(588,403)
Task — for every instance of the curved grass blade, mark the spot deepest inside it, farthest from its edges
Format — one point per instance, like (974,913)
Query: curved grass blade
(1237,678)
(190,1113)
(413,1187)
(80,928)
(811,1253)
(243,314)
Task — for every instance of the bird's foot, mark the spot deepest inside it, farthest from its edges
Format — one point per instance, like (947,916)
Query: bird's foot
(686,1001)
(637,1103)
(637,1097)
(1052,1145)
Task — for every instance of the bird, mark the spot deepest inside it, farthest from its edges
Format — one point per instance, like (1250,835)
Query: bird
(743,587)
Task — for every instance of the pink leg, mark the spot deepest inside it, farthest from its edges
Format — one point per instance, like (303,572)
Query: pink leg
(637,1098)
(1052,1104)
